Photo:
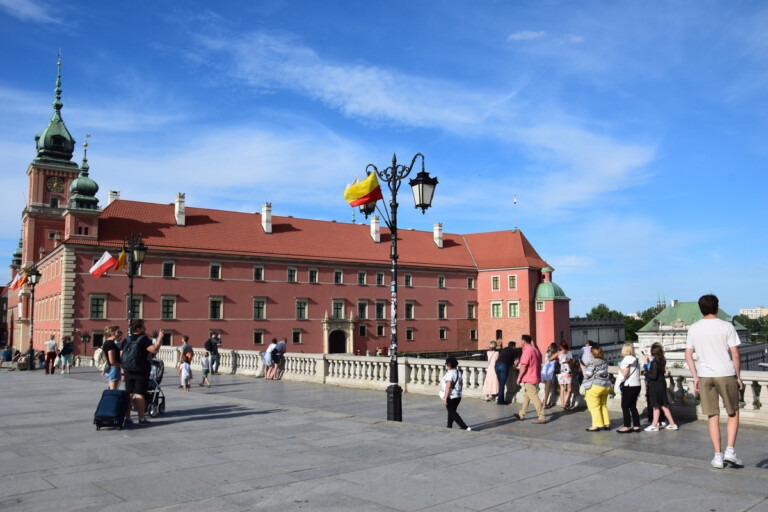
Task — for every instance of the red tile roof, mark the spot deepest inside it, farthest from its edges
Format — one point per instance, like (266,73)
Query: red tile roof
(225,232)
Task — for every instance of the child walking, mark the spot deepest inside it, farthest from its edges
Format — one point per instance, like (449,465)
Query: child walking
(185,372)
(205,363)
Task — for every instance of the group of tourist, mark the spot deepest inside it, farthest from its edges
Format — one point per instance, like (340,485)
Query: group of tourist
(716,377)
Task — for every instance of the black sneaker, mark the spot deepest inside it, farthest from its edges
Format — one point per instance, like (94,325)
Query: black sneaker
(128,421)
(143,421)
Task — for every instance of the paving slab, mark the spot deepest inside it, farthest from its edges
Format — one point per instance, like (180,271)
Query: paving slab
(250,444)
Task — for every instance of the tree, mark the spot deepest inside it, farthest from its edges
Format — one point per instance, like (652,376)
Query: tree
(603,311)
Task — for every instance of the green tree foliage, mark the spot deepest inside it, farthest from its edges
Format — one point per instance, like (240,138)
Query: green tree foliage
(603,311)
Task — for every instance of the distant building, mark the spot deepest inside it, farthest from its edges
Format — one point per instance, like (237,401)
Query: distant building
(603,331)
(754,313)
(670,327)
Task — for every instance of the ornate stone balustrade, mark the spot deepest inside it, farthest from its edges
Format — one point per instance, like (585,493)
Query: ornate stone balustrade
(423,376)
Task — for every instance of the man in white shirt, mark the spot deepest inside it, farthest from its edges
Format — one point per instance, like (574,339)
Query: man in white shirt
(717,375)
(51,350)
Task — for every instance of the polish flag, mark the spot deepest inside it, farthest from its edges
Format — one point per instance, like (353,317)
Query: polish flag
(106,262)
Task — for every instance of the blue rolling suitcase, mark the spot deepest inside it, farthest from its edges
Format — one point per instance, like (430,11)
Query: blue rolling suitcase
(111,409)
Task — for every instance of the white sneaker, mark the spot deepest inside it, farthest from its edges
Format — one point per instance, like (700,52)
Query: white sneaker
(651,428)
(731,457)
(663,424)
(717,462)
(469,428)
(671,427)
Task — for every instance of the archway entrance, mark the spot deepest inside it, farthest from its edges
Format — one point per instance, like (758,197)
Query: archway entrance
(337,343)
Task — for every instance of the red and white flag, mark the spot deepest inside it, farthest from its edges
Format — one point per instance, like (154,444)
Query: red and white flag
(106,262)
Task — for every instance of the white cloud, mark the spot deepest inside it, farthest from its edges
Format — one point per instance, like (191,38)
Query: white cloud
(28,10)
(526,35)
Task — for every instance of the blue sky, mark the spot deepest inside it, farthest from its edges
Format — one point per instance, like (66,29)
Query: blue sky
(633,133)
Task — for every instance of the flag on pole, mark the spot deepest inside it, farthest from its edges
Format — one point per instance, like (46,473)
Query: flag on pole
(16,281)
(120,260)
(23,280)
(366,191)
(106,262)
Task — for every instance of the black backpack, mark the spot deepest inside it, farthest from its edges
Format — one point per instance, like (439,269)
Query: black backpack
(208,346)
(131,358)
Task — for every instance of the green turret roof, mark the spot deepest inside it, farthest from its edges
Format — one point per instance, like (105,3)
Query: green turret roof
(17,254)
(82,191)
(550,291)
(688,313)
(55,145)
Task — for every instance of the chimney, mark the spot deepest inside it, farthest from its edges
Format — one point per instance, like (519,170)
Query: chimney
(114,195)
(266,217)
(437,234)
(179,210)
(375,231)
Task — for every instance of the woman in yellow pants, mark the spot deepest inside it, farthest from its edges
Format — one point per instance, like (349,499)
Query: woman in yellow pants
(597,382)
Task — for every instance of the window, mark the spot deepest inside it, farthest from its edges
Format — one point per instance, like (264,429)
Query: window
(97,339)
(495,283)
(539,305)
(168,307)
(259,308)
(337,306)
(379,278)
(512,282)
(360,277)
(291,275)
(495,309)
(362,309)
(442,310)
(441,281)
(301,309)
(409,310)
(258,337)
(471,310)
(513,309)
(408,280)
(296,336)
(312,275)
(215,271)
(166,340)
(215,308)
(54,202)
(258,273)
(443,333)
(363,331)
(471,283)
(473,334)
(381,310)
(409,334)
(138,302)
(379,329)
(338,277)
(98,306)
(169,269)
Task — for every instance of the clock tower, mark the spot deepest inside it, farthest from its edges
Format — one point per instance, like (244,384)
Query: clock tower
(51,174)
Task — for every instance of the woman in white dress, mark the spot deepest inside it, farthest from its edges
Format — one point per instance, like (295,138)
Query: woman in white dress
(491,383)
(565,359)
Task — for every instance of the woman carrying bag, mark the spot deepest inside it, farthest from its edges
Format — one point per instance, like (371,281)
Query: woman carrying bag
(628,384)
(450,392)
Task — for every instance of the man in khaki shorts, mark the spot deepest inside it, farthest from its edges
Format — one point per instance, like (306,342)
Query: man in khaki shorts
(718,374)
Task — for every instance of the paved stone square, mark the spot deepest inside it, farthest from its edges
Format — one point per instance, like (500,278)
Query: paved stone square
(250,444)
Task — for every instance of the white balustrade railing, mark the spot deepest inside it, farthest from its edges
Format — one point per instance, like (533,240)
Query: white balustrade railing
(423,376)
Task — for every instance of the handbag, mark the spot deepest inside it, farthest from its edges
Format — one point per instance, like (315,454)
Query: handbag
(625,379)
(548,372)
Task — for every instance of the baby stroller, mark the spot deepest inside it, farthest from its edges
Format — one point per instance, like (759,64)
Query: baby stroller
(155,396)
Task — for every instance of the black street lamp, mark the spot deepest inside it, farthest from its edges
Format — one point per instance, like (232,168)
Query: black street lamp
(33,277)
(423,190)
(135,257)
(85,338)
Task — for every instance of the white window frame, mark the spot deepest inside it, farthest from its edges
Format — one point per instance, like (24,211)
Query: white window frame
(500,306)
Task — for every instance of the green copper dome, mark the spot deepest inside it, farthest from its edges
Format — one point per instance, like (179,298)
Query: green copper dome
(82,191)
(56,145)
(550,291)
(17,255)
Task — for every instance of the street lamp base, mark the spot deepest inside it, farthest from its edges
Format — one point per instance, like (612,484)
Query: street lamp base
(394,403)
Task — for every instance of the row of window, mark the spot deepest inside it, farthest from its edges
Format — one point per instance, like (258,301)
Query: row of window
(513,308)
(511,282)
(98,303)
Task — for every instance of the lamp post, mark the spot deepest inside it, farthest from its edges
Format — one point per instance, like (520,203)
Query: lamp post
(423,187)
(85,338)
(33,277)
(135,257)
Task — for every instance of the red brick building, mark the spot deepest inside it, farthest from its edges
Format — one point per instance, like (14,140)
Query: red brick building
(253,276)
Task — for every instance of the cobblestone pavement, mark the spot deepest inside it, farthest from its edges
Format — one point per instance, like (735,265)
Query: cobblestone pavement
(250,444)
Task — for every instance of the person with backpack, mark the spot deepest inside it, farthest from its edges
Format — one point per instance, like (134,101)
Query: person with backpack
(135,356)
(450,392)
(108,360)
(66,355)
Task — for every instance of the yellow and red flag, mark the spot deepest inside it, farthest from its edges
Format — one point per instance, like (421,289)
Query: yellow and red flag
(120,260)
(366,191)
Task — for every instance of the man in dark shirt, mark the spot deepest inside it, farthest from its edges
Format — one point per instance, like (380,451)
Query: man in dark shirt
(137,379)
(503,363)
